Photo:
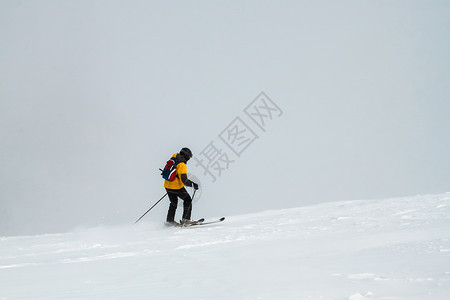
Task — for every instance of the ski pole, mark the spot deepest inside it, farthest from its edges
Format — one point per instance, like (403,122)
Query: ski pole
(193,195)
(150,208)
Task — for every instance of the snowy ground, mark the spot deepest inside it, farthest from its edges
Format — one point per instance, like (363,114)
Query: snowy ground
(378,249)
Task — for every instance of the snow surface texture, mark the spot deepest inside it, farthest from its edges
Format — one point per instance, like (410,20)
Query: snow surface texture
(378,249)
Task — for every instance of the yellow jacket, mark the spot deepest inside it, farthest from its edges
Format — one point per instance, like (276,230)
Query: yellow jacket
(177,183)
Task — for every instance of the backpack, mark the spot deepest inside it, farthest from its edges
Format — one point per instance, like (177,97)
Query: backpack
(170,170)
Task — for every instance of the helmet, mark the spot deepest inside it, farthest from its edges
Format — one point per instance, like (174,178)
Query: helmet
(186,152)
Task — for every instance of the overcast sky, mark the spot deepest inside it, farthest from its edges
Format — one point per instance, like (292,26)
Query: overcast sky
(95,96)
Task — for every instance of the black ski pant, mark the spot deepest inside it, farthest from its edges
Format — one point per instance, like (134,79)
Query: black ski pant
(187,203)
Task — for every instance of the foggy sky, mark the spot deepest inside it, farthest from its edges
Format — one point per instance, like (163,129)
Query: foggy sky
(96,95)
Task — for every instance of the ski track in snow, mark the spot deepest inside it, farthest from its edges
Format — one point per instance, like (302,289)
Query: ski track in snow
(351,250)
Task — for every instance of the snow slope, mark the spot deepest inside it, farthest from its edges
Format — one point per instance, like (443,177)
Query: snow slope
(377,249)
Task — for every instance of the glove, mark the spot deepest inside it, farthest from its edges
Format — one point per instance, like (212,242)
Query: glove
(195,186)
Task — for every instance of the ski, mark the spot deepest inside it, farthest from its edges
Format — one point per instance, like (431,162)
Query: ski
(196,223)
(180,224)
(203,223)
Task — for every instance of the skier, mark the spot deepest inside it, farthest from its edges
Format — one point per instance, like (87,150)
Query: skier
(175,189)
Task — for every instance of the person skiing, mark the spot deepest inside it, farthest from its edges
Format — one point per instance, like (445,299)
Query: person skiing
(175,189)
